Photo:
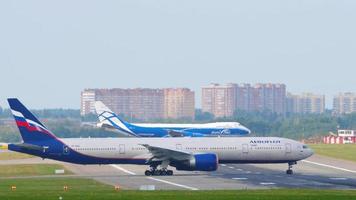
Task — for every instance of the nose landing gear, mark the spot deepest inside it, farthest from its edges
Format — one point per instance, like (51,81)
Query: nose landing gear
(290,165)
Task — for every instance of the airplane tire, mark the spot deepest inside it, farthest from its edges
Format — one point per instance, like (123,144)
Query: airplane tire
(289,171)
(148,173)
(159,173)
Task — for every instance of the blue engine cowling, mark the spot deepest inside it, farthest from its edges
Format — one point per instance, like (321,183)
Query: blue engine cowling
(199,162)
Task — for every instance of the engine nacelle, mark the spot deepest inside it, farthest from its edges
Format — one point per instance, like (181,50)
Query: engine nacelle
(199,162)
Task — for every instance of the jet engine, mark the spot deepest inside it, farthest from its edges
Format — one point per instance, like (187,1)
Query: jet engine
(198,162)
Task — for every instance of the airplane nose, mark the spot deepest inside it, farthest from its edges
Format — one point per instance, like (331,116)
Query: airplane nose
(248,131)
(311,152)
(308,153)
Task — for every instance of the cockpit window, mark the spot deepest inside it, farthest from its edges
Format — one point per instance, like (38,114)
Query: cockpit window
(305,146)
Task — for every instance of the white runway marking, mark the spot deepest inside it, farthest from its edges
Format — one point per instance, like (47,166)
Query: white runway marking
(338,179)
(231,167)
(248,172)
(239,169)
(223,165)
(171,183)
(239,178)
(122,169)
(330,166)
(155,179)
(267,183)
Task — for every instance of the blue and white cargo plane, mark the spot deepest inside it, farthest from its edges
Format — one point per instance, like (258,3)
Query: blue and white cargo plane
(183,153)
(109,119)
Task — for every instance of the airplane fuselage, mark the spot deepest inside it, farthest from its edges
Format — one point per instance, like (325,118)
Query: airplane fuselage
(183,153)
(132,151)
(191,130)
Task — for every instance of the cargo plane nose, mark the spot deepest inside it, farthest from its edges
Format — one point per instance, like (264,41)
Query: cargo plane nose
(246,130)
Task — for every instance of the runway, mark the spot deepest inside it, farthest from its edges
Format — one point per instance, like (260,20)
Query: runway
(316,172)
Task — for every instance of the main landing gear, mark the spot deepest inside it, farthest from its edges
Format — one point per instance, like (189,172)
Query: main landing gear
(290,165)
(162,171)
(153,171)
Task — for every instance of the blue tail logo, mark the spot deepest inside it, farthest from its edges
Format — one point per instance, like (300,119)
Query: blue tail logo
(109,118)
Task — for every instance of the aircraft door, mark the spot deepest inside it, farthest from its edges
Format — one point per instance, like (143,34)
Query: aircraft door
(179,146)
(288,148)
(121,148)
(245,148)
(66,150)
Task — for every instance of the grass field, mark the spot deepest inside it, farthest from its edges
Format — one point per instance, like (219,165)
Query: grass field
(30,170)
(7,155)
(341,151)
(52,188)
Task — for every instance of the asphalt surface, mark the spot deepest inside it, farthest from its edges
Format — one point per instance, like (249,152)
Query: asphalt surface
(316,172)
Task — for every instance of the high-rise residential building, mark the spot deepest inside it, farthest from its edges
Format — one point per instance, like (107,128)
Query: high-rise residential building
(344,103)
(243,96)
(87,102)
(179,103)
(142,103)
(279,98)
(224,100)
(268,96)
(219,100)
(305,103)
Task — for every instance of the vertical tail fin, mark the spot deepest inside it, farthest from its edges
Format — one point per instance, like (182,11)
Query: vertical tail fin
(109,118)
(31,129)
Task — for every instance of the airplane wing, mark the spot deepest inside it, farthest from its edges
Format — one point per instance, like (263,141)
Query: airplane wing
(184,133)
(174,133)
(161,154)
(181,160)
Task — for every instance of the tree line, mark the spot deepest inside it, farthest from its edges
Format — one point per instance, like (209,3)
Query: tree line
(69,123)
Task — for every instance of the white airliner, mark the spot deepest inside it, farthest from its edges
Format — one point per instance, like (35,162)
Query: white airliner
(109,119)
(183,153)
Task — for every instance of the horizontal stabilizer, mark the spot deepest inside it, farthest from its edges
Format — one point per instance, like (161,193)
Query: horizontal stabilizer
(30,146)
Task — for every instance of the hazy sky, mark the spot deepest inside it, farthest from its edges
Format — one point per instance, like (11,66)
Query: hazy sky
(51,50)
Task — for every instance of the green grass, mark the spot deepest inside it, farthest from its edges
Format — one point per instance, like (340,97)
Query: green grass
(13,156)
(30,170)
(51,188)
(79,188)
(341,151)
